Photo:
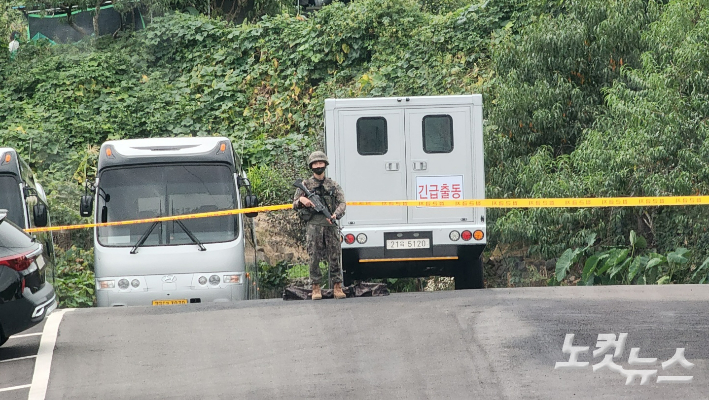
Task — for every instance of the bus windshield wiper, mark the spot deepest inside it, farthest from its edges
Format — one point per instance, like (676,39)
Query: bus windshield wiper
(189,233)
(144,237)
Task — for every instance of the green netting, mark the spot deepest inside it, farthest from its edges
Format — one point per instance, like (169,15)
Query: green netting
(39,36)
(57,29)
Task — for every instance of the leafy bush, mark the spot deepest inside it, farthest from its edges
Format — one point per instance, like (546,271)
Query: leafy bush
(272,279)
(270,185)
(607,98)
(272,180)
(631,265)
(300,271)
(74,283)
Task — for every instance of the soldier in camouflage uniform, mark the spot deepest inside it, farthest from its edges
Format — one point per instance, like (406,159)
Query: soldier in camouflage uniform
(322,238)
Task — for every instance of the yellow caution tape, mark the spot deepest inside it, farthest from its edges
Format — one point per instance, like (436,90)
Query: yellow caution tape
(538,203)
(162,219)
(488,203)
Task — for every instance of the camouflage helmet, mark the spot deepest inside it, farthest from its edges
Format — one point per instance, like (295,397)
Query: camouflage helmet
(317,156)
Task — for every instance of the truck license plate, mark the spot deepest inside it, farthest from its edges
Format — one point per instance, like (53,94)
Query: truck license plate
(403,244)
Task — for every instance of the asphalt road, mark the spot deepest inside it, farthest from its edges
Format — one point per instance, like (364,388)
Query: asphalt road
(487,344)
(17,361)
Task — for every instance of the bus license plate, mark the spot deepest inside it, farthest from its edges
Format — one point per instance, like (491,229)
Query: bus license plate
(403,244)
(169,302)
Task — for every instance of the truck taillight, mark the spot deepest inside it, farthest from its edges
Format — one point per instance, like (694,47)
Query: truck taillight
(22,263)
(349,238)
(478,234)
(466,235)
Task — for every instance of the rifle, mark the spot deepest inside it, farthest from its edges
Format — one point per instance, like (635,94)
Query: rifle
(317,204)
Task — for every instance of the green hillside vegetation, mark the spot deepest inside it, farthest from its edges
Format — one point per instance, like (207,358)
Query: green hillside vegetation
(582,99)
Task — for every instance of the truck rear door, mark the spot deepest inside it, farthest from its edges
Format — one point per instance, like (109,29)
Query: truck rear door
(439,161)
(372,147)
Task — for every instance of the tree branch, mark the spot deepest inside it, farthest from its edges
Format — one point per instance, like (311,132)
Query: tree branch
(97,11)
(70,21)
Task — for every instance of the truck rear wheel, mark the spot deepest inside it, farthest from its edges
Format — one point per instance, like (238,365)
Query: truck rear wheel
(349,263)
(469,274)
(348,278)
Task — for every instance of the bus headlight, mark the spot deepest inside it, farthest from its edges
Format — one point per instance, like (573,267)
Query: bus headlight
(123,284)
(232,279)
(135,283)
(214,280)
(202,280)
(107,284)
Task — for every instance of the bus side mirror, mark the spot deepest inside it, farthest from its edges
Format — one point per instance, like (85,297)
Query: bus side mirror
(86,205)
(251,201)
(39,212)
(29,192)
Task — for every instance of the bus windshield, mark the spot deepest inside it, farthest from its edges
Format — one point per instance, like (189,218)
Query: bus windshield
(11,200)
(166,190)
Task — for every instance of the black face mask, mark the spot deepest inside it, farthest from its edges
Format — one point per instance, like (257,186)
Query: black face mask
(318,171)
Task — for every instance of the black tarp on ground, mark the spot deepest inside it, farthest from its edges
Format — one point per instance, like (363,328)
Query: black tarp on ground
(362,289)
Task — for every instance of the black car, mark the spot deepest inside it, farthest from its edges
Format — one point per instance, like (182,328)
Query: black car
(25,296)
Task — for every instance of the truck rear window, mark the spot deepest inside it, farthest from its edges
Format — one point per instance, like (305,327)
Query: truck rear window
(438,134)
(371,136)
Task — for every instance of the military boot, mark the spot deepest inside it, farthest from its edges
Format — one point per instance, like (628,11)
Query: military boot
(315,294)
(338,291)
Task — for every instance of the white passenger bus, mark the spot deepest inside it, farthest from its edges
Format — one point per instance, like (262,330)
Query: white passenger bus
(174,262)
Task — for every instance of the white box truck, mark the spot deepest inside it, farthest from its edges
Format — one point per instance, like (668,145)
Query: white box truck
(409,148)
